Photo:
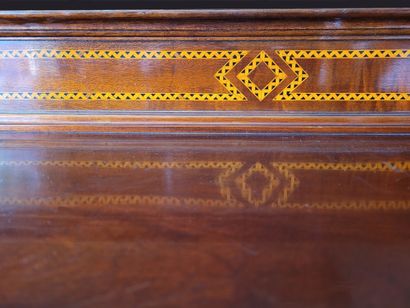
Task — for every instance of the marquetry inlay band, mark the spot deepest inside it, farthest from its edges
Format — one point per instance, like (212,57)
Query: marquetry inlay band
(290,57)
(233,57)
(290,84)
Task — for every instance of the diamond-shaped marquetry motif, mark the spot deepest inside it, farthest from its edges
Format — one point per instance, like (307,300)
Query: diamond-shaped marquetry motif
(277,75)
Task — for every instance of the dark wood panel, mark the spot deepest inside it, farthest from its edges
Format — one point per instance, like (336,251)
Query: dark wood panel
(296,222)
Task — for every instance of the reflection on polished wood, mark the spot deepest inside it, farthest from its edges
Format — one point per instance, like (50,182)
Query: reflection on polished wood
(295,221)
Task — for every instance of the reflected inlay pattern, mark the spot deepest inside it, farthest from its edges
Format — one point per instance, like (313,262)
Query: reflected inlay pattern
(277,183)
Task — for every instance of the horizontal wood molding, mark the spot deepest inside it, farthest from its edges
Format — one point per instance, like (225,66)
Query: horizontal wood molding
(281,23)
(243,71)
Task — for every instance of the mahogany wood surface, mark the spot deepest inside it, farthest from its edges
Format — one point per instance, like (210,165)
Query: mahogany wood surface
(209,71)
(183,158)
(204,222)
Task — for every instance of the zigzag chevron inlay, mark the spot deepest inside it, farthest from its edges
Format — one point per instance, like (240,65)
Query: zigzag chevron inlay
(233,57)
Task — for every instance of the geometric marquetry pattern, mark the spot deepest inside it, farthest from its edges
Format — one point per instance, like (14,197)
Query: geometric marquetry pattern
(279,75)
(232,93)
(290,57)
(233,58)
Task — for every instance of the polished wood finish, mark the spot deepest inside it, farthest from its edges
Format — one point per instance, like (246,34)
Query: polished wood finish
(229,71)
(284,221)
(163,158)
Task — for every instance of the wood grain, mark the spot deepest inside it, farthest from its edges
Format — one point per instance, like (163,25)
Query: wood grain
(229,71)
(149,221)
